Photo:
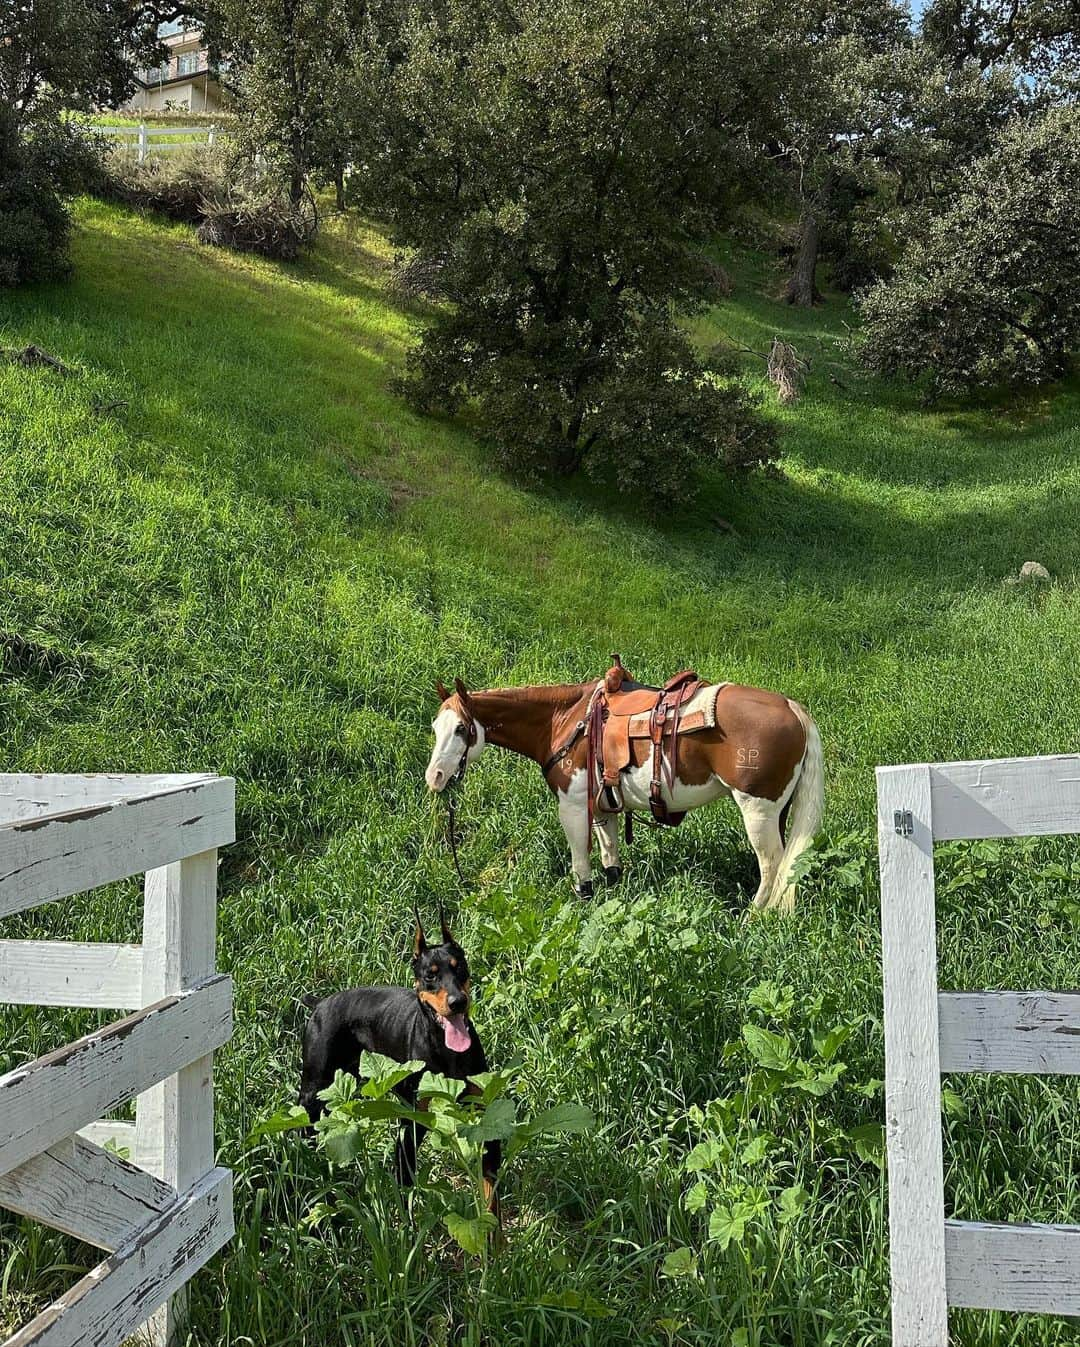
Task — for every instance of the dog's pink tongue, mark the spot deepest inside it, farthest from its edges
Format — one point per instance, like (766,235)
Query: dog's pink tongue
(455,1032)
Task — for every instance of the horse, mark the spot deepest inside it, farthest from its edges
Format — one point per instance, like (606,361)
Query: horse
(763,751)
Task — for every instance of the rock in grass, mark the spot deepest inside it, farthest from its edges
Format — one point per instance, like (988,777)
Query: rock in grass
(1030,572)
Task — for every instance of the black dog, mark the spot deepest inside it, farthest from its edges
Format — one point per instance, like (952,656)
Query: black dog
(429,1023)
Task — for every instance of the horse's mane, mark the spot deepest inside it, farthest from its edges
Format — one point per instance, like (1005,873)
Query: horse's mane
(550,693)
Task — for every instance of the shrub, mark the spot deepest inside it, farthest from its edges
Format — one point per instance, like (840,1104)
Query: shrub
(268,225)
(176,185)
(991,293)
(37,165)
(196,187)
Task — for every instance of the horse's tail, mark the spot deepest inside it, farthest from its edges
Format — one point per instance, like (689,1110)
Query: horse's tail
(804,816)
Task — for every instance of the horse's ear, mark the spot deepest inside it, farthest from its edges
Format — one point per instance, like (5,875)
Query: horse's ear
(461,690)
(442,690)
(447,936)
(419,943)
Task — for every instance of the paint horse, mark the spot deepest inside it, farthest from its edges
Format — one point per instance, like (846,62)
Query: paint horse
(760,748)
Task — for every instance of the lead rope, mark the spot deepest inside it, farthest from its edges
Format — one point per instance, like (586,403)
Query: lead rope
(451,808)
(451,824)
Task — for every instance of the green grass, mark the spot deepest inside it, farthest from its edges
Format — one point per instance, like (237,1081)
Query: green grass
(261,562)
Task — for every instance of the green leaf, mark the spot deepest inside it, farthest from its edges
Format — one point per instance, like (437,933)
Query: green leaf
(471,1232)
(383,1073)
(562,1118)
(343,1144)
(680,1262)
(776,1001)
(726,1226)
(828,1045)
(792,1202)
(496,1124)
(342,1089)
(768,1049)
(704,1156)
(821,1082)
(696,1198)
(756,1150)
(580,1301)
(491,1084)
(433,1085)
(869,1143)
(284,1120)
(953,1104)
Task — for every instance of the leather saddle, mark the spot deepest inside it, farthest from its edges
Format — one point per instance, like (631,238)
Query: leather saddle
(629,710)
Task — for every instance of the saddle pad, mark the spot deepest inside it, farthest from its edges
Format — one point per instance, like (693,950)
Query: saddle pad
(699,713)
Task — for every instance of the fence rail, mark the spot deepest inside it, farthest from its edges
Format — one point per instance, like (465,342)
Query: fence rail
(937,1262)
(165,1210)
(146,140)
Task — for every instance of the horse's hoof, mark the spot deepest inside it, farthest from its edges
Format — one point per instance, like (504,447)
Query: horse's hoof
(612,873)
(584,890)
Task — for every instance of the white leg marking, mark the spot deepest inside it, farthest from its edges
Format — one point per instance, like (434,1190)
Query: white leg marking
(574,817)
(761,819)
(606,827)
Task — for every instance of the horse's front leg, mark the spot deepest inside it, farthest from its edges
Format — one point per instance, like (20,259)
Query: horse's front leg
(574,817)
(606,827)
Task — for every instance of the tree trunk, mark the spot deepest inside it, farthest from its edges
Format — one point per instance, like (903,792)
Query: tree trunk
(339,184)
(802,287)
(571,453)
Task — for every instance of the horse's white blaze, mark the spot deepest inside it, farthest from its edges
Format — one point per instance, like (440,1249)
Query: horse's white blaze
(446,755)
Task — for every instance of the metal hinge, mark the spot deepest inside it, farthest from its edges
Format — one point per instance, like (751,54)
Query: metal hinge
(903,823)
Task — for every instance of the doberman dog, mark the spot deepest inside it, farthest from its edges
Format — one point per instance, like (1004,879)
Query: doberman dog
(429,1023)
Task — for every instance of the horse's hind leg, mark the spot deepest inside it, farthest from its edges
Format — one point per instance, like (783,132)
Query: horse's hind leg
(761,818)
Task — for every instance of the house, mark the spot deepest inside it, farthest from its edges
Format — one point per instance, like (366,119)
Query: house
(187,80)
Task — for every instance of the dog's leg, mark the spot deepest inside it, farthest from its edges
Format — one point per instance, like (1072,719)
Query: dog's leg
(405,1153)
(317,1071)
(574,817)
(408,1143)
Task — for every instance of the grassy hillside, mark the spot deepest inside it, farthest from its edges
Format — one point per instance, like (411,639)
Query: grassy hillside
(237,551)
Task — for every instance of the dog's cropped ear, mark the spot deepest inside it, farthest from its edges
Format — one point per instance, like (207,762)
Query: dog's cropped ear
(442,690)
(419,943)
(444,925)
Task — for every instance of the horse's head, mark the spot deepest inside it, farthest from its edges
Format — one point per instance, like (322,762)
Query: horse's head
(459,736)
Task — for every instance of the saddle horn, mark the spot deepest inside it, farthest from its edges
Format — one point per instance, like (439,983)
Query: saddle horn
(613,679)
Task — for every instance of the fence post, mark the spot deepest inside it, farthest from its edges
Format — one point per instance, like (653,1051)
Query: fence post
(174,1130)
(142,141)
(211,138)
(912,1068)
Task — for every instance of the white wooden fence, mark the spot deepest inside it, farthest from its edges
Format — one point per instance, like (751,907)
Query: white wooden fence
(146,140)
(938,1262)
(164,1212)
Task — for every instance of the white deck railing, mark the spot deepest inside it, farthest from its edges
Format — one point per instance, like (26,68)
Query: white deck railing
(165,1210)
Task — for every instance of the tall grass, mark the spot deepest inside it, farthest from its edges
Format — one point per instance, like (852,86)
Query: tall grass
(243,554)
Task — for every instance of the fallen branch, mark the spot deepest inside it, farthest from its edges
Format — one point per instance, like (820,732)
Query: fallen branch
(34,355)
(786,369)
